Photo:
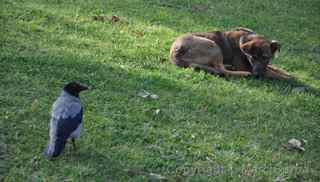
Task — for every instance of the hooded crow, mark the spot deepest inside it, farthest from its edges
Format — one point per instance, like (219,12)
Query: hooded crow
(66,119)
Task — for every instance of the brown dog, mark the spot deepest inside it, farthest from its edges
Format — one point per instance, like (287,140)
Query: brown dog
(240,52)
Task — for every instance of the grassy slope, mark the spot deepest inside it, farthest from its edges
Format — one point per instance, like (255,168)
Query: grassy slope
(235,127)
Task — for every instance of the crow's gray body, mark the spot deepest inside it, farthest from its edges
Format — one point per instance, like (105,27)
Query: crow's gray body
(65,123)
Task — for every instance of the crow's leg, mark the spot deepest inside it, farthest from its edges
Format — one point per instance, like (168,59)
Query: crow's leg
(74,144)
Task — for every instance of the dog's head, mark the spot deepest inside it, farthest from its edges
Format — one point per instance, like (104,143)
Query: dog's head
(259,52)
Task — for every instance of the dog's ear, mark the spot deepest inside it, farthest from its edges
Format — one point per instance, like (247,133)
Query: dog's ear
(275,46)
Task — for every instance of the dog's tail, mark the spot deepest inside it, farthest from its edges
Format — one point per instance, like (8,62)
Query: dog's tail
(224,72)
(176,55)
(55,148)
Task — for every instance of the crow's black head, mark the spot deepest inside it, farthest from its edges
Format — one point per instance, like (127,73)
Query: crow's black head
(74,88)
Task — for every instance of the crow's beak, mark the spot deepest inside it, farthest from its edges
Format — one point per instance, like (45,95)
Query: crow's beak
(84,87)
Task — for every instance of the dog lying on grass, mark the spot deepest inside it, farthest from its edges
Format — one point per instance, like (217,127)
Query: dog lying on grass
(239,52)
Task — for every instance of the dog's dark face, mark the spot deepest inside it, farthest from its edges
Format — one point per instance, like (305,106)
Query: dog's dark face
(261,52)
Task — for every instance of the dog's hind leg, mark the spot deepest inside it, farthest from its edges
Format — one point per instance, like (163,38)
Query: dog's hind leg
(226,72)
(206,68)
(221,71)
(217,64)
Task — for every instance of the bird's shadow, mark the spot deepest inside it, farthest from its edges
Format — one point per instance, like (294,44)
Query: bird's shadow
(97,165)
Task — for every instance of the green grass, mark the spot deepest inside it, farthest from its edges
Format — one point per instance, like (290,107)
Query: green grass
(208,128)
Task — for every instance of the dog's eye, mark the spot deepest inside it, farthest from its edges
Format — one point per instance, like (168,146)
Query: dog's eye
(266,57)
(266,60)
(255,56)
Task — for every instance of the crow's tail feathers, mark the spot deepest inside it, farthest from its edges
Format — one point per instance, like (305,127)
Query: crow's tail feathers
(55,149)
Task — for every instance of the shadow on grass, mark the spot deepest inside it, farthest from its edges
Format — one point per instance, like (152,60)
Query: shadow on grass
(115,98)
(94,164)
(286,87)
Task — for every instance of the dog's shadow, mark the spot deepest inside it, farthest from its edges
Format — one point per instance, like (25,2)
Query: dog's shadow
(283,87)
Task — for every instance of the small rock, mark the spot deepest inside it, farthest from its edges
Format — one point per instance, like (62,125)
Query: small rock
(154,96)
(145,94)
(156,177)
(295,144)
(157,111)
(280,179)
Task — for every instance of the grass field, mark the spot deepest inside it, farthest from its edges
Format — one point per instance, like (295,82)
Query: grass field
(202,127)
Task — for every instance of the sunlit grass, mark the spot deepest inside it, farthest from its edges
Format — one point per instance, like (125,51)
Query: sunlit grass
(227,129)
